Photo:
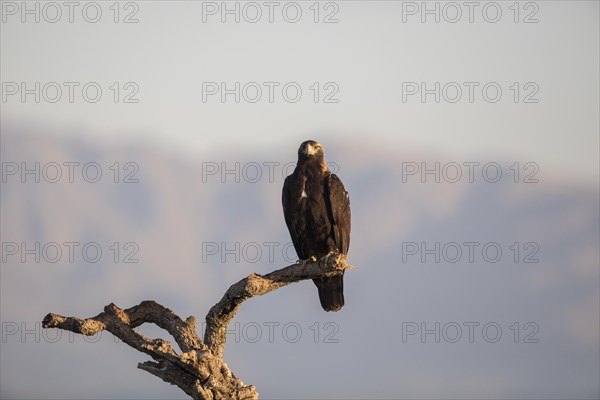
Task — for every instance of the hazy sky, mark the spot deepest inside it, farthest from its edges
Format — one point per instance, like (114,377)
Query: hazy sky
(379,83)
(370,57)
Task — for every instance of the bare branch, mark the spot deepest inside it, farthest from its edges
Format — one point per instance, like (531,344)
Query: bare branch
(221,313)
(199,370)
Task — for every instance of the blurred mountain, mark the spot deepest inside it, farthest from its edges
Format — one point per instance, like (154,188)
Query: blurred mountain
(195,226)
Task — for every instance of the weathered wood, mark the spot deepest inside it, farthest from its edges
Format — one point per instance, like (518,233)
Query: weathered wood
(199,370)
(221,313)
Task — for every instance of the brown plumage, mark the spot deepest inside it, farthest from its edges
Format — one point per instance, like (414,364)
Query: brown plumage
(316,208)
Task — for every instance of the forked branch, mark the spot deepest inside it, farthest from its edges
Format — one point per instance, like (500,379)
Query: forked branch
(199,370)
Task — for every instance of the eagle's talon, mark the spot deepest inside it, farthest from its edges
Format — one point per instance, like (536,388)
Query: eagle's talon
(326,257)
(311,259)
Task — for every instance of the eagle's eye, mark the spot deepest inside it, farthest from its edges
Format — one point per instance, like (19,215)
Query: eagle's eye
(310,147)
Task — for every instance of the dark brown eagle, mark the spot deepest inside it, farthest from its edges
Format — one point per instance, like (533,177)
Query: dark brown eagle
(316,208)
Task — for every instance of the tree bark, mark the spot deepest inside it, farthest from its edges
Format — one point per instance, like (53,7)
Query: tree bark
(199,370)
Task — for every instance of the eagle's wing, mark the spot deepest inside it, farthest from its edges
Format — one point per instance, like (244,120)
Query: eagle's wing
(339,204)
(288,214)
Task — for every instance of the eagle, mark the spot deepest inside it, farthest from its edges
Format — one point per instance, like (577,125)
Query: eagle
(316,208)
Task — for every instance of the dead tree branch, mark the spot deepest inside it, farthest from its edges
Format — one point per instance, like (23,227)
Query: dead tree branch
(199,370)
(221,313)
(196,371)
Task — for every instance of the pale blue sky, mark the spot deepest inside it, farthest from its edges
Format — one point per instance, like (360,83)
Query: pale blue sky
(368,54)
(363,61)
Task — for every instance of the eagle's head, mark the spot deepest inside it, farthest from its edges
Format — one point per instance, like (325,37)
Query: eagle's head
(311,150)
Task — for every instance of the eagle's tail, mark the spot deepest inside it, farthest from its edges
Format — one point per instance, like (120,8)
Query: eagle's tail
(331,292)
